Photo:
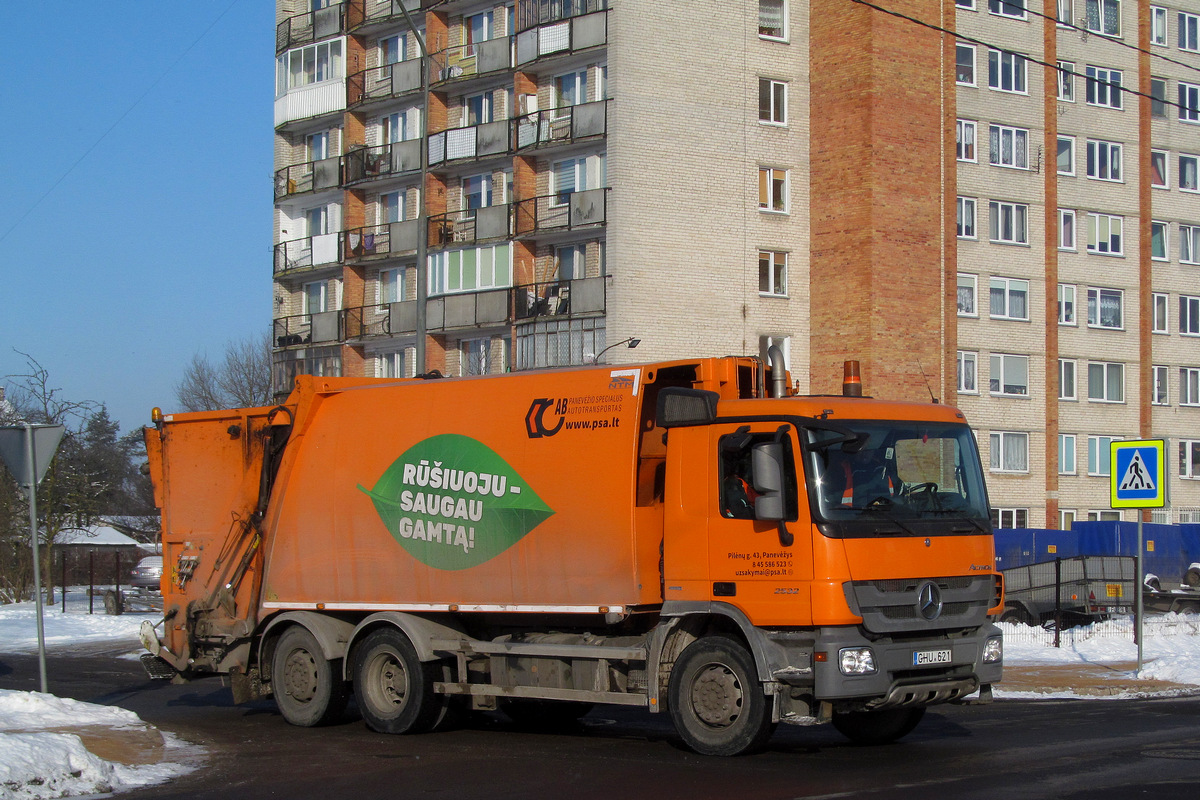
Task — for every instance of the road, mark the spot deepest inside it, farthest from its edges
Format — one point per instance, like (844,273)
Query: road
(1093,749)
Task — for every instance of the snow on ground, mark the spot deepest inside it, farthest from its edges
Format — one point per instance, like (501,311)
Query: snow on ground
(38,762)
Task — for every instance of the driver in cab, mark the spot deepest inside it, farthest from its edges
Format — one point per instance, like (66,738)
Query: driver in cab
(859,478)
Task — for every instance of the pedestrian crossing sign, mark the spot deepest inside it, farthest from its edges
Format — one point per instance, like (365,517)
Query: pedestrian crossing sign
(1138,474)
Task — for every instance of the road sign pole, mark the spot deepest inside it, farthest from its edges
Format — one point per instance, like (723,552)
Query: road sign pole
(31,487)
(1138,589)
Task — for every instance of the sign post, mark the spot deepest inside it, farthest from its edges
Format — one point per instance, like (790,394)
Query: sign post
(1138,479)
(27,450)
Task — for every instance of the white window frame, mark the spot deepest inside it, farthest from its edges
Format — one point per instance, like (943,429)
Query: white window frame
(966,5)
(772,273)
(964,130)
(1064,15)
(1160,231)
(1003,367)
(394,277)
(1161,158)
(1005,67)
(1069,141)
(1017,222)
(1101,239)
(968,372)
(1161,394)
(1068,383)
(960,64)
(1096,19)
(1067,305)
(770,32)
(1099,456)
(1104,161)
(969,282)
(1158,100)
(1095,302)
(393,363)
(570,89)
(1160,318)
(1067,445)
(1010,518)
(1189,315)
(1104,515)
(1189,386)
(1189,102)
(1189,32)
(1189,172)
(776,105)
(1066,81)
(1106,370)
(773,188)
(1009,288)
(1012,9)
(1103,87)
(481,186)
(572,256)
(997,460)
(1066,229)
(966,218)
(1189,459)
(392,201)
(400,47)
(1189,244)
(576,169)
(1066,518)
(319,289)
(470,269)
(1158,26)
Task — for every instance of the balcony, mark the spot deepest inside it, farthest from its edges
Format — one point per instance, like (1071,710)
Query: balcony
(383,83)
(321,328)
(484,224)
(365,12)
(565,211)
(310,252)
(310,101)
(481,309)
(310,26)
(368,163)
(562,37)
(471,60)
(381,321)
(562,125)
(470,142)
(538,12)
(311,176)
(390,238)
(287,364)
(559,299)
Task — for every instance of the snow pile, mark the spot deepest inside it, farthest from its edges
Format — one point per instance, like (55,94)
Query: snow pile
(18,625)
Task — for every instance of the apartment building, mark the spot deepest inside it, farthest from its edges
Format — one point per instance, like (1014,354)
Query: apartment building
(715,178)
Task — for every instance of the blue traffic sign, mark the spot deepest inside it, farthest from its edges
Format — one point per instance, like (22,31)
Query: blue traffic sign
(1138,477)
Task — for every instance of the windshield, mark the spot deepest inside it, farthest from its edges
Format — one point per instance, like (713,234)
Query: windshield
(907,473)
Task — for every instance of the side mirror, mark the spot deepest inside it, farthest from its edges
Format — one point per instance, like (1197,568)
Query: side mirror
(767,463)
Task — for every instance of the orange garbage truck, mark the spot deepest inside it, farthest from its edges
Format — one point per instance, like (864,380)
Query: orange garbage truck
(688,537)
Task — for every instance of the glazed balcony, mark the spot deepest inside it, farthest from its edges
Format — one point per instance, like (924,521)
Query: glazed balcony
(311,176)
(370,12)
(383,83)
(302,329)
(480,225)
(311,252)
(562,36)
(368,163)
(562,125)
(379,241)
(472,142)
(310,26)
(472,60)
(565,211)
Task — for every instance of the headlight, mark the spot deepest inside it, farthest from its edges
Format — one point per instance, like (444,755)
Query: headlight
(993,650)
(856,661)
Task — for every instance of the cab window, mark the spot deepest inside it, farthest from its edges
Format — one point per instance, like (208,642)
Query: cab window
(738,488)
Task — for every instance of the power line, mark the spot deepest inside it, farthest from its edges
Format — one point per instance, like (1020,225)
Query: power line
(117,122)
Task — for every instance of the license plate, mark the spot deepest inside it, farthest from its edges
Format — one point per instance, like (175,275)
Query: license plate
(922,658)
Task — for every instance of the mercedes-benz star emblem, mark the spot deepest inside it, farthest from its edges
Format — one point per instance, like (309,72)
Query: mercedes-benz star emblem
(929,600)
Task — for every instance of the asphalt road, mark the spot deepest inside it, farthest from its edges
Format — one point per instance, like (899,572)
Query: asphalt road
(1093,749)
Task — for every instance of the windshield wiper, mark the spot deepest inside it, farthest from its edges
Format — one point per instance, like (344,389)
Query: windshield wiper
(880,506)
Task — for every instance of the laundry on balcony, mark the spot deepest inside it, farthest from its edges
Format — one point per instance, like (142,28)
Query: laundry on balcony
(355,242)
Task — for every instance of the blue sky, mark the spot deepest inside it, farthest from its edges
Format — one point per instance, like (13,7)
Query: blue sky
(135,191)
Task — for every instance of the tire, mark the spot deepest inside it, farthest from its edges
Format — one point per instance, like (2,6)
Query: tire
(545,714)
(1192,578)
(308,687)
(878,727)
(1015,614)
(112,603)
(716,701)
(394,688)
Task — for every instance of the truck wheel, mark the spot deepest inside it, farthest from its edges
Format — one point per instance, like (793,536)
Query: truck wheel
(308,687)
(393,687)
(877,727)
(717,704)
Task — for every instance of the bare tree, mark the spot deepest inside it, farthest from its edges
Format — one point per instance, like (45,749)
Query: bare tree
(242,379)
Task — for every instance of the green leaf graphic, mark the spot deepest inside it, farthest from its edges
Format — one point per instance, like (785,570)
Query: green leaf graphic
(453,503)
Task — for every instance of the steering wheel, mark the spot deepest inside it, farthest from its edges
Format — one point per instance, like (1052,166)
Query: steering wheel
(920,488)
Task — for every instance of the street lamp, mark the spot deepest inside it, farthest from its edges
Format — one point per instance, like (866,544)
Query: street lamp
(631,343)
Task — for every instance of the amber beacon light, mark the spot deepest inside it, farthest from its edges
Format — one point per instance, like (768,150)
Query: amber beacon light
(851,380)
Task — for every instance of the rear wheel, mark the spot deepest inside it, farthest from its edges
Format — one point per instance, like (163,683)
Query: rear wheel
(717,703)
(878,727)
(394,688)
(308,687)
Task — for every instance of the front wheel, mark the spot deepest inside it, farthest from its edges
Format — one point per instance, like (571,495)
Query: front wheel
(308,687)
(717,703)
(877,727)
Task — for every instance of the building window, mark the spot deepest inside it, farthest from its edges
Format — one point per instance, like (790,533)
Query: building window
(476,193)
(1066,155)
(1009,375)
(402,126)
(966,295)
(1009,451)
(1158,169)
(570,89)
(1066,304)
(1105,308)
(1189,315)
(772,189)
(1189,386)
(1066,519)
(1106,382)
(316,145)
(1161,394)
(390,287)
(1009,299)
(1066,81)
(1159,321)
(968,372)
(1189,242)
(1007,8)
(1066,379)
(1008,223)
(1099,463)
(1158,240)
(576,175)
(1158,97)
(1189,32)
(1104,234)
(1008,518)
(772,273)
(969,5)
(1189,464)
(964,133)
(1103,17)
(966,218)
(772,101)
(1066,229)
(391,207)
(1158,26)
(1066,454)
(479,109)
(1104,87)
(1064,13)
(1189,102)
(1103,160)
(1187,173)
(470,269)
(772,19)
(964,70)
(304,66)
(570,262)
(1104,516)
(393,49)
(391,365)
(1006,71)
(476,356)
